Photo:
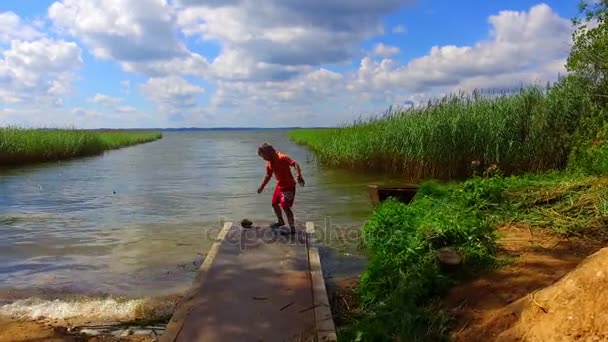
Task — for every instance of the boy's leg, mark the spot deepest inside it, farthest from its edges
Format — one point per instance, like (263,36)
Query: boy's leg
(290,219)
(279,214)
(287,199)
(276,206)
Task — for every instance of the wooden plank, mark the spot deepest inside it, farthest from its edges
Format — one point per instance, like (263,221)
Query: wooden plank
(185,306)
(324,323)
(257,289)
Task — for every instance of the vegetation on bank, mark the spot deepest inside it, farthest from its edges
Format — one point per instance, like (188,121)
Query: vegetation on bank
(534,130)
(21,146)
(398,292)
(538,159)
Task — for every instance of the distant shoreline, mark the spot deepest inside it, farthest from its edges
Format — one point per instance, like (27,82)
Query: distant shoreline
(194,129)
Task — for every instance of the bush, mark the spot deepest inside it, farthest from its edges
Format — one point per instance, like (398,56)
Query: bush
(403,275)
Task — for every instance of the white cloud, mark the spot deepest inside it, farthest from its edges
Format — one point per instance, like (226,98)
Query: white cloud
(120,29)
(112,104)
(40,70)
(399,29)
(188,64)
(314,87)
(278,39)
(172,94)
(35,116)
(516,38)
(141,35)
(126,109)
(105,100)
(13,27)
(509,57)
(274,64)
(547,72)
(384,50)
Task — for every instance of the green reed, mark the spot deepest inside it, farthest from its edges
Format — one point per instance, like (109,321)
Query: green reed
(520,133)
(21,146)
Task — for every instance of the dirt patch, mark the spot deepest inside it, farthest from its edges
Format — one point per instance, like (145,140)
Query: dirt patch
(12,330)
(492,304)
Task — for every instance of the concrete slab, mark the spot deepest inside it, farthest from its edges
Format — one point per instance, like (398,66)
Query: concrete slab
(255,286)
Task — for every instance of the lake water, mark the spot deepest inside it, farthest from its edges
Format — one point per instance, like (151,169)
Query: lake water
(137,221)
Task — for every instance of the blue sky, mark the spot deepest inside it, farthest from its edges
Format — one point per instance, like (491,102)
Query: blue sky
(153,63)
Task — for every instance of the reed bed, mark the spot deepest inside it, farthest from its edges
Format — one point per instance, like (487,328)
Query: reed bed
(22,146)
(525,132)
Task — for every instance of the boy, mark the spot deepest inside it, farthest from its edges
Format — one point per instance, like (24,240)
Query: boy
(280,165)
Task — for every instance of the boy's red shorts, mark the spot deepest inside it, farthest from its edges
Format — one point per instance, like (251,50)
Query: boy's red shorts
(284,197)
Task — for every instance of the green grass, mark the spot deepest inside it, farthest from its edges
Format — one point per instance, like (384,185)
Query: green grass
(550,149)
(403,283)
(22,146)
(531,131)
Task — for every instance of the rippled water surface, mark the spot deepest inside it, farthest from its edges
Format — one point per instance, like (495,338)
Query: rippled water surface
(137,221)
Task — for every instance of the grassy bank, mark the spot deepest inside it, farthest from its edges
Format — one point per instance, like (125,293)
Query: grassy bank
(543,159)
(399,291)
(21,146)
(550,156)
(531,131)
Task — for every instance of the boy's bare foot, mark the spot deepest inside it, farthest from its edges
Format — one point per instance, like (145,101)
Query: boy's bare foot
(291,231)
(277,225)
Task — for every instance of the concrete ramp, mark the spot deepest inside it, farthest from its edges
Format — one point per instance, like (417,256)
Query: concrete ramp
(256,285)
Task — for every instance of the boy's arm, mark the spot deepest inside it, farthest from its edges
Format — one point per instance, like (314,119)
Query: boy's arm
(264,183)
(266,179)
(299,173)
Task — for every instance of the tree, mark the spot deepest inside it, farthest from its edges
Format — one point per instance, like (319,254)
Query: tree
(589,56)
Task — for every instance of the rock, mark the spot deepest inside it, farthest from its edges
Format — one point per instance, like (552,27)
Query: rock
(142,332)
(123,333)
(246,223)
(449,259)
(60,330)
(90,332)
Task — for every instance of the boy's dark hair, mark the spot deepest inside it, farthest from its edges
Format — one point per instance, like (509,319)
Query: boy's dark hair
(265,147)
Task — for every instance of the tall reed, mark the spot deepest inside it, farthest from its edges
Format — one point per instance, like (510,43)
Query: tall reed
(520,133)
(21,146)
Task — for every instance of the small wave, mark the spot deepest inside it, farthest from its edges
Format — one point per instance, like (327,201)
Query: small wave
(98,309)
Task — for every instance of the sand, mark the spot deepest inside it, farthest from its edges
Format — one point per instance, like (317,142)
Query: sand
(542,295)
(14,330)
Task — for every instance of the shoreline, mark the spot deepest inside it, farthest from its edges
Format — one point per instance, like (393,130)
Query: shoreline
(66,317)
(22,147)
(12,330)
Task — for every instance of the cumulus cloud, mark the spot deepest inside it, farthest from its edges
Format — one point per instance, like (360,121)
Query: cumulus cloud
(384,50)
(39,70)
(172,94)
(274,61)
(13,27)
(126,109)
(314,87)
(105,100)
(120,29)
(509,57)
(188,64)
(142,35)
(281,38)
(111,104)
(513,48)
